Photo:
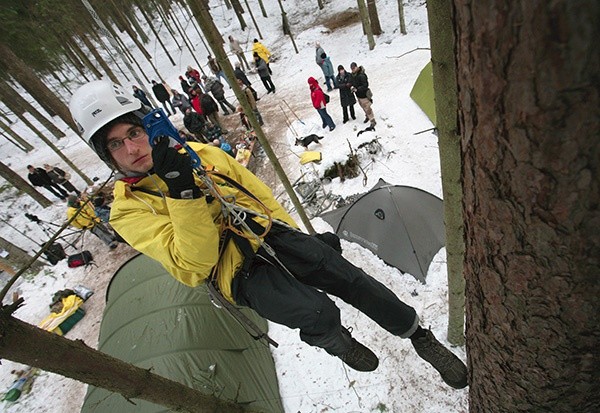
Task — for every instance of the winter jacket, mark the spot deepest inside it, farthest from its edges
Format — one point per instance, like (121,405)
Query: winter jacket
(261,67)
(161,93)
(57,175)
(185,86)
(327,67)
(39,178)
(181,102)
(316,94)
(193,122)
(194,74)
(215,87)
(235,47)
(344,83)
(262,51)
(141,95)
(87,218)
(208,105)
(196,102)
(239,74)
(250,96)
(360,82)
(183,234)
(318,52)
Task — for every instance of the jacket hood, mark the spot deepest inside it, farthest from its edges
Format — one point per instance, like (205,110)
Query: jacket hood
(313,82)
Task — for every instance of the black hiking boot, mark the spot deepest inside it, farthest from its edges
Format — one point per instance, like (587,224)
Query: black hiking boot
(450,367)
(358,356)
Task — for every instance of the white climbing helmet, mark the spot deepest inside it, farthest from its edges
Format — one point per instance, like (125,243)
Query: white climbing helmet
(96,103)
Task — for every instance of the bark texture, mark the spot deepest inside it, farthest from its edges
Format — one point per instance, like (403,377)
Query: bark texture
(529,113)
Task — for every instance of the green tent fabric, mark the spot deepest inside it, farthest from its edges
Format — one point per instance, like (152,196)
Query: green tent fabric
(153,321)
(422,92)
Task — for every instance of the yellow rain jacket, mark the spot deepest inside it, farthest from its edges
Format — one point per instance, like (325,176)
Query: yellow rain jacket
(86,219)
(183,234)
(262,51)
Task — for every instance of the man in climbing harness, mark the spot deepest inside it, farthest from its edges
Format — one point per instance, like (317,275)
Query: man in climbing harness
(218,223)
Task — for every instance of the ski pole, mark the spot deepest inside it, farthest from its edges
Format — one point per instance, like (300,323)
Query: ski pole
(292,110)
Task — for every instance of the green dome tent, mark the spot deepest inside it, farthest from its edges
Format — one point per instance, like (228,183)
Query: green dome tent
(153,321)
(422,92)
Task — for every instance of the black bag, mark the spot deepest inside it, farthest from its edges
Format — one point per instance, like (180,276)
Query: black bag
(55,253)
(327,98)
(77,260)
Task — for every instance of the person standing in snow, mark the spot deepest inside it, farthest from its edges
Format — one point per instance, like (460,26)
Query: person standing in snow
(180,101)
(162,95)
(141,95)
(239,74)
(194,123)
(318,55)
(185,85)
(360,86)
(210,110)
(263,73)
(318,100)
(215,67)
(328,72)
(218,91)
(192,74)
(60,177)
(236,49)
(39,177)
(259,49)
(347,100)
(282,273)
(251,101)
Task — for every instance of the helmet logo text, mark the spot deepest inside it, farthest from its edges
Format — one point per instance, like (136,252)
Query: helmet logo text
(97,111)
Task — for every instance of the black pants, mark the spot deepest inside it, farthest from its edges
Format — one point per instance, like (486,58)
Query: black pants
(268,84)
(297,302)
(56,190)
(345,112)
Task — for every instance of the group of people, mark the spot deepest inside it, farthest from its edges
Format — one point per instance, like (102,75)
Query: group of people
(262,261)
(53,179)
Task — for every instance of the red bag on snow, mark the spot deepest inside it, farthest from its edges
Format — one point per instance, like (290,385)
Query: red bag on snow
(77,260)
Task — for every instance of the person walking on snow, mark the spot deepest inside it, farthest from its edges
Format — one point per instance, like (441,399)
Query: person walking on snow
(39,177)
(215,67)
(263,52)
(162,95)
(318,100)
(60,177)
(328,72)
(347,100)
(218,91)
(239,74)
(141,95)
(185,85)
(360,86)
(176,219)
(236,49)
(263,73)
(210,109)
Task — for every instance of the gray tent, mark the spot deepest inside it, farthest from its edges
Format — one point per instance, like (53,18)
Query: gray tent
(402,225)
(153,321)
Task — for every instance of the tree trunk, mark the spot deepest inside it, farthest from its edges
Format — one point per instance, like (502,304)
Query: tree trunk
(237,8)
(26,146)
(12,94)
(286,25)
(320,4)
(93,50)
(446,107)
(401,16)
(214,38)
(26,344)
(74,60)
(33,84)
(530,122)
(22,185)
(17,257)
(262,8)
(253,19)
(156,35)
(374,17)
(84,57)
(366,24)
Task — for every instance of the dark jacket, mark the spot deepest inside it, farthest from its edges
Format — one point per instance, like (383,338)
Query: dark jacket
(215,87)
(214,65)
(185,86)
(262,68)
(208,104)
(239,74)
(39,178)
(141,95)
(360,82)
(160,91)
(57,175)
(193,122)
(180,101)
(344,83)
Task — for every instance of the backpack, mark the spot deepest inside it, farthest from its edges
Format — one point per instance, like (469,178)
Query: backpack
(55,253)
(82,258)
(327,98)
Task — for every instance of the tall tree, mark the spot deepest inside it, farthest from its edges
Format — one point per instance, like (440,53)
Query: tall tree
(401,17)
(26,146)
(529,117)
(366,24)
(21,184)
(99,59)
(441,36)
(374,17)
(33,84)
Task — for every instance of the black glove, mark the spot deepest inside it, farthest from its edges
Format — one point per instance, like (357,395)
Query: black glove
(175,169)
(330,239)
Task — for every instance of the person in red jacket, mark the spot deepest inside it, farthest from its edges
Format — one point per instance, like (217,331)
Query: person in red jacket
(318,100)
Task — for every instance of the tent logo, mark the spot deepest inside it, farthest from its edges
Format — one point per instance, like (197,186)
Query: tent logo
(380,214)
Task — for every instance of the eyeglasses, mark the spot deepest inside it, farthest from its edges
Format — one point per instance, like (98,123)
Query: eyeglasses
(133,135)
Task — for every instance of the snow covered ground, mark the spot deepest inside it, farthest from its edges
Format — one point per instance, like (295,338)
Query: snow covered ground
(310,380)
